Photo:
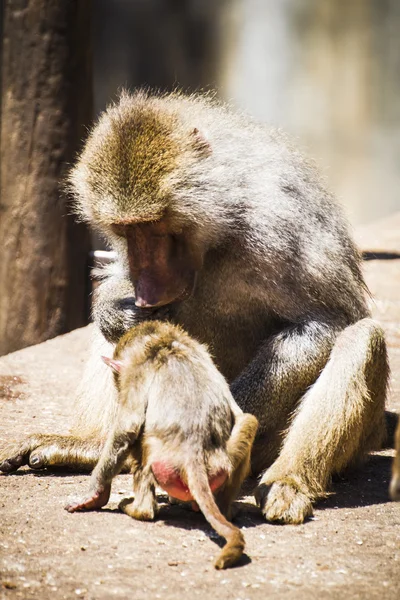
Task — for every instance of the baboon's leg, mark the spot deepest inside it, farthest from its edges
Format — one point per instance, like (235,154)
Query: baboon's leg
(395,483)
(47,450)
(338,421)
(95,408)
(113,456)
(144,506)
(239,451)
(273,383)
(119,445)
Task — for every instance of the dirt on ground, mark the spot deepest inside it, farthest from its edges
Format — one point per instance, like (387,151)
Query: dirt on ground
(350,548)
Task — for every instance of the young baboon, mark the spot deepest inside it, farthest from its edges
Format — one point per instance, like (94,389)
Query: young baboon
(179,423)
(221,225)
(394,489)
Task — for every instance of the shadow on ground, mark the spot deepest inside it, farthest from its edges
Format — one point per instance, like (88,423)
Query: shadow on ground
(365,486)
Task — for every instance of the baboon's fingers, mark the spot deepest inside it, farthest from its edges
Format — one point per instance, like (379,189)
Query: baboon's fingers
(283,503)
(12,464)
(47,450)
(91,502)
(18,454)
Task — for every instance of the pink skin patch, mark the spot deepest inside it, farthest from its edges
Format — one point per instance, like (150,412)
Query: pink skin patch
(97,500)
(169,480)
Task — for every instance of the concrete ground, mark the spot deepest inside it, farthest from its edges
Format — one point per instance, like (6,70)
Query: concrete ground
(351,548)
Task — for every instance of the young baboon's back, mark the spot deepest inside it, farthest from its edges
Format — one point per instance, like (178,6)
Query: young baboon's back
(188,404)
(179,424)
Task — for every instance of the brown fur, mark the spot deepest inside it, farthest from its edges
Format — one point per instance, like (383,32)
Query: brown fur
(279,296)
(175,407)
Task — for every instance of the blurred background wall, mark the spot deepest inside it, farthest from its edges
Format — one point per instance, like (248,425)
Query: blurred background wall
(327,71)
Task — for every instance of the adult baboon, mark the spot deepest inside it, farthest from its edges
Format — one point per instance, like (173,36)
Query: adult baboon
(221,226)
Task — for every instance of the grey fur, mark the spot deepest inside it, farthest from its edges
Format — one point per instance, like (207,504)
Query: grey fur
(280,278)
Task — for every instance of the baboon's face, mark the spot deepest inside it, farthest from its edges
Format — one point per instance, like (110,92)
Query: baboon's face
(162,262)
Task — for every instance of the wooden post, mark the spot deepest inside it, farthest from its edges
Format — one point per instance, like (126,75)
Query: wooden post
(46,101)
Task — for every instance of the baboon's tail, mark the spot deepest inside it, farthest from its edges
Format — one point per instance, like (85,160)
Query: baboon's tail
(201,492)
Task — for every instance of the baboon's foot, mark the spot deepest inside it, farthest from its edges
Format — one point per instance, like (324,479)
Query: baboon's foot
(91,502)
(146,510)
(46,450)
(26,452)
(283,503)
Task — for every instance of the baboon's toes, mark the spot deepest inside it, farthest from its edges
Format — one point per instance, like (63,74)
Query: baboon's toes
(141,515)
(285,504)
(9,465)
(145,512)
(93,501)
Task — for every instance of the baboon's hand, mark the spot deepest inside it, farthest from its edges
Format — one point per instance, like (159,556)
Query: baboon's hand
(93,501)
(283,503)
(116,317)
(27,452)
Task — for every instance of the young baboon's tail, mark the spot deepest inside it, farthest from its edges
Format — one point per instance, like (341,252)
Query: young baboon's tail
(201,492)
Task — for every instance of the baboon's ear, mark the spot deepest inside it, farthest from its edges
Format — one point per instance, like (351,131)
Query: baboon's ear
(114,364)
(200,142)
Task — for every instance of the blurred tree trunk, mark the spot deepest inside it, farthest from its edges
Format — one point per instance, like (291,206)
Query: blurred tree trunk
(46,101)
